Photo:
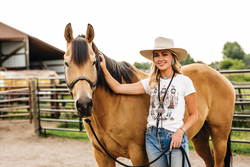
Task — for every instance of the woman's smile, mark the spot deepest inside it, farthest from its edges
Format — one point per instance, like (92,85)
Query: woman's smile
(162,64)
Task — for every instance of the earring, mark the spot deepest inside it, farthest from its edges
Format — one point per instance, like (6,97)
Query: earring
(172,62)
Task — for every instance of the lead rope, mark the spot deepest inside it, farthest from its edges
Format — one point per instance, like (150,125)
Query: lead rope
(184,154)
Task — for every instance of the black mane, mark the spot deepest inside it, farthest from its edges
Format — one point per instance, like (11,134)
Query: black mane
(119,70)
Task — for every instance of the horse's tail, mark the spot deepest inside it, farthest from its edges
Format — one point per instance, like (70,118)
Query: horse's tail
(228,157)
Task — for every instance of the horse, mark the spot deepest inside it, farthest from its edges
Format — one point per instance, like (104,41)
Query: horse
(120,120)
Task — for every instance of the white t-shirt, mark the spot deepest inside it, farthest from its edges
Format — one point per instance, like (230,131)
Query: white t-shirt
(174,102)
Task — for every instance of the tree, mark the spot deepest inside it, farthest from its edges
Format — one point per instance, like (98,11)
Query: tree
(187,60)
(237,64)
(229,63)
(233,51)
(199,61)
(144,65)
(226,63)
(246,57)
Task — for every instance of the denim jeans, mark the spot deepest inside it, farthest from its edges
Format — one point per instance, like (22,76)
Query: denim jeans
(156,145)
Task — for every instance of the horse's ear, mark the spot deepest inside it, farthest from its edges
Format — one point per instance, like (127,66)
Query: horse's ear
(90,33)
(68,33)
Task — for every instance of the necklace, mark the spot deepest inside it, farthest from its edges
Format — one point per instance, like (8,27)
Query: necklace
(160,109)
(168,76)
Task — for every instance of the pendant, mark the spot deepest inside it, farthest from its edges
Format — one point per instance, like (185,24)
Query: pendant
(160,110)
(165,78)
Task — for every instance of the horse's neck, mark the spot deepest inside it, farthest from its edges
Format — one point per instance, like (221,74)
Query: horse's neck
(106,102)
(123,72)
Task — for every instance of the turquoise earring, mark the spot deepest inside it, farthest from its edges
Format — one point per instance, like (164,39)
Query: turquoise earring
(172,62)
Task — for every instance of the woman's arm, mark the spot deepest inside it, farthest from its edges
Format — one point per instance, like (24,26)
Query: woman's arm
(134,88)
(192,119)
(192,111)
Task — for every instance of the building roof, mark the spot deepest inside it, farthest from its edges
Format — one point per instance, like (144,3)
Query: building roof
(38,49)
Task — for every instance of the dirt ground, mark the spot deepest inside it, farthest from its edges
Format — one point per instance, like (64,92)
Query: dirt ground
(19,147)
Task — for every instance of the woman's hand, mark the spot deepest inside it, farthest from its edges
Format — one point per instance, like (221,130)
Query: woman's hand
(176,139)
(102,63)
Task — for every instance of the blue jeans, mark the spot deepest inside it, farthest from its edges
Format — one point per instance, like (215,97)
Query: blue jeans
(156,145)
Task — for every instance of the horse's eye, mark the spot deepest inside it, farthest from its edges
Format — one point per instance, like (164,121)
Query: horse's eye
(66,64)
(94,63)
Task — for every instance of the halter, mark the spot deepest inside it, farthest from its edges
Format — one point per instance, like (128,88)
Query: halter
(71,85)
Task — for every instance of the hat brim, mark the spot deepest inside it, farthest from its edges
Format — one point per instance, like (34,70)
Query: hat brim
(181,53)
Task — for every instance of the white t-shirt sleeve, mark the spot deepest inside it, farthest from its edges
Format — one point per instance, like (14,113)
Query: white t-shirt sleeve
(189,87)
(145,83)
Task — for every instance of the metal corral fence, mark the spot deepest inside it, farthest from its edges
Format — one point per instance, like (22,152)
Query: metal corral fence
(15,100)
(51,102)
(242,91)
(50,92)
(61,89)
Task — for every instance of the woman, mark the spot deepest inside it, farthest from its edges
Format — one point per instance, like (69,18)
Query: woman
(169,91)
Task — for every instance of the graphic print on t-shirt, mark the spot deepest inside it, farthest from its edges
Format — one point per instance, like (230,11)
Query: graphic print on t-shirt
(170,103)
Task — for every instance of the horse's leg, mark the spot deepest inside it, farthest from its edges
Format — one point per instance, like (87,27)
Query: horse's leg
(103,160)
(202,147)
(138,155)
(219,139)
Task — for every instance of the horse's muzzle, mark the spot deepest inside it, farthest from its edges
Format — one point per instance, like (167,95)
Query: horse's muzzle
(84,107)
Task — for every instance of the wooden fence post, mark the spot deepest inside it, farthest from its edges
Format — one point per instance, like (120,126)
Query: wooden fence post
(34,107)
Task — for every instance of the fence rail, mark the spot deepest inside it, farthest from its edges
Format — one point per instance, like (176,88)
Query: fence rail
(234,71)
(15,100)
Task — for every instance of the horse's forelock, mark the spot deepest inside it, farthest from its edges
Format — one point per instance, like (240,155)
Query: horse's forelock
(80,52)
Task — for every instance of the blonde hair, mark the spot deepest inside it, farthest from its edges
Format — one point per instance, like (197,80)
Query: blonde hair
(155,72)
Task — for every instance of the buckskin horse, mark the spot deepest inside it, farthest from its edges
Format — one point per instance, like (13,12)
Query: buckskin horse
(120,120)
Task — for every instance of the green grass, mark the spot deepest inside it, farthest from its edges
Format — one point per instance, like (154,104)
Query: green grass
(240,135)
(69,125)
(240,148)
(66,134)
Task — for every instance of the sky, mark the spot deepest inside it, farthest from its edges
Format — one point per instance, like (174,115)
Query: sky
(124,27)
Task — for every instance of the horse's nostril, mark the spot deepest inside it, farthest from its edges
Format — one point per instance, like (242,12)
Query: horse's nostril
(90,104)
(78,106)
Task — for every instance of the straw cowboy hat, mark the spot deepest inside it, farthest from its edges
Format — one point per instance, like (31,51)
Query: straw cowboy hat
(162,43)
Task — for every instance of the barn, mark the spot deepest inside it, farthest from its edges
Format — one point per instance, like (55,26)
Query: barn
(20,51)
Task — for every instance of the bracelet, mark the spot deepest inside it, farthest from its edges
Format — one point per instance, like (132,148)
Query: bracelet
(183,129)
